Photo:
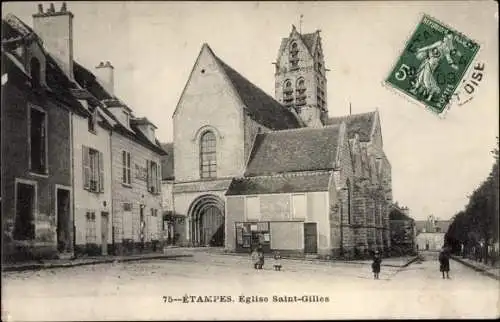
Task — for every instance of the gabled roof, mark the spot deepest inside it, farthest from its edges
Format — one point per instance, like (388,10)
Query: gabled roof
(279,184)
(16,33)
(167,161)
(362,124)
(305,149)
(260,106)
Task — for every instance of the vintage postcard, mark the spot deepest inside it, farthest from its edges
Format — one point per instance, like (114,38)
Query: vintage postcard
(173,160)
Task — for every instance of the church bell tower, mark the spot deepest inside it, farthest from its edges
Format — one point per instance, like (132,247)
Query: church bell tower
(300,77)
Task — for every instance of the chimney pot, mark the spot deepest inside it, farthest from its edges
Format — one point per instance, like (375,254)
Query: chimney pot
(40,8)
(52,9)
(101,64)
(63,7)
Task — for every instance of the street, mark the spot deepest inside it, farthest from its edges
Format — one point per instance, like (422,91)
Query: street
(142,291)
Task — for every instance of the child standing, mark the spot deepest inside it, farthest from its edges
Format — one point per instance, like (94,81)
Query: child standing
(258,258)
(277,261)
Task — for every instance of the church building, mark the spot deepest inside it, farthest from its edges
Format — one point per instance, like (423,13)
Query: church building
(251,169)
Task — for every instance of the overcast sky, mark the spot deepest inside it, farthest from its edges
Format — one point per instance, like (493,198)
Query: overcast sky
(436,162)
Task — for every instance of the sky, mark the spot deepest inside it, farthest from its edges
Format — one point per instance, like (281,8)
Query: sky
(436,161)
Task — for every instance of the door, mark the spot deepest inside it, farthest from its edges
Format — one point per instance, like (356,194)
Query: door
(104,232)
(310,238)
(63,221)
(24,228)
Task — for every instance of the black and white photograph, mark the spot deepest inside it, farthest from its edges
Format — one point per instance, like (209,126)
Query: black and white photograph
(253,160)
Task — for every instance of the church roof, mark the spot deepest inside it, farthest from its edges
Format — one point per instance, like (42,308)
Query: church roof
(167,162)
(362,124)
(260,106)
(305,149)
(279,184)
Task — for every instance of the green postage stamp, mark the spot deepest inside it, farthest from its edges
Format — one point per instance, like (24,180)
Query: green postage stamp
(433,64)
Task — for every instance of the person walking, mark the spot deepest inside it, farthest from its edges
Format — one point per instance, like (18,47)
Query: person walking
(444,263)
(377,260)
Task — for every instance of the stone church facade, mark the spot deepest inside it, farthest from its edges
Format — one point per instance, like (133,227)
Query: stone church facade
(251,169)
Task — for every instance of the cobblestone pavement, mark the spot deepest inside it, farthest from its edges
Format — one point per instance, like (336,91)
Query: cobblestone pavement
(137,290)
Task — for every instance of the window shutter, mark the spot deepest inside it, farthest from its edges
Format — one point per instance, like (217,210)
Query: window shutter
(129,171)
(148,174)
(124,167)
(158,178)
(86,167)
(101,172)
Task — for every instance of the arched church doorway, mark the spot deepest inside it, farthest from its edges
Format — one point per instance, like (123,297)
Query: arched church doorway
(207,221)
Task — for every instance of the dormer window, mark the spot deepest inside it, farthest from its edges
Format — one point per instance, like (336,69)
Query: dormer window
(92,120)
(35,70)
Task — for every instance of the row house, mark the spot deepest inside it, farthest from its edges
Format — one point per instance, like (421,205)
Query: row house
(113,159)
(36,152)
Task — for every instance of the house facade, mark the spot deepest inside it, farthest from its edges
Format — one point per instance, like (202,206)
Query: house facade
(87,172)
(92,182)
(286,200)
(37,173)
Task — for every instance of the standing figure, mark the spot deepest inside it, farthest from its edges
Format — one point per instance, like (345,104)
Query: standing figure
(377,260)
(255,258)
(444,262)
(277,261)
(260,257)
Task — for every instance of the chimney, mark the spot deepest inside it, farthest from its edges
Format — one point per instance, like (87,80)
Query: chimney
(105,76)
(55,28)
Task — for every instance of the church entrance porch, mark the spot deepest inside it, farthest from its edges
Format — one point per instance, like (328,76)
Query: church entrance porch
(206,215)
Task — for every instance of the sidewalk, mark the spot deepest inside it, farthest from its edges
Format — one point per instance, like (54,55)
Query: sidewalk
(493,272)
(57,263)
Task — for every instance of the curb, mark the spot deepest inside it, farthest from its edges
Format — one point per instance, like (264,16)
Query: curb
(484,272)
(34,267)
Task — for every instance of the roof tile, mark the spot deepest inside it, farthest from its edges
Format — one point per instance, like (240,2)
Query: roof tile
(279,184)
(357,123)
(304,149)
(261,107)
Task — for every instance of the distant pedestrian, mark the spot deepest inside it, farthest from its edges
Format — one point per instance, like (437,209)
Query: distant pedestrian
(261,257)
(377,260)
(444,263)
(277,261)
(258,258)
